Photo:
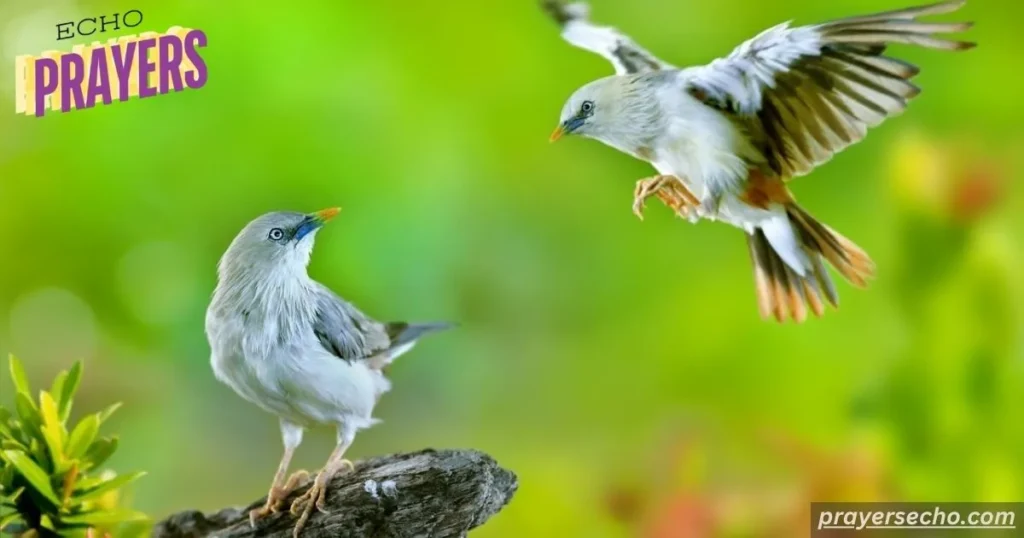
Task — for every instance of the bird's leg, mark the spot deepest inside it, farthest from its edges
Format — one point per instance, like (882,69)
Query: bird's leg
(670,190)
(316,495)
(279,490)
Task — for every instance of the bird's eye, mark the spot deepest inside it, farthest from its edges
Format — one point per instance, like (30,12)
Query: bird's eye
(587,107)
(276,234)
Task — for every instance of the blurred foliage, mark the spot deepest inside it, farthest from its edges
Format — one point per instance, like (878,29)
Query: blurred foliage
(50,483)
(619,367)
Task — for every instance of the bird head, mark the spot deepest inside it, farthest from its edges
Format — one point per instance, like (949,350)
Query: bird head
(281,241)
(614,110)
(580,112)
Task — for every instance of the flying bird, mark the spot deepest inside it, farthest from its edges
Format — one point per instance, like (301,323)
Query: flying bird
(288,344)
(726,137)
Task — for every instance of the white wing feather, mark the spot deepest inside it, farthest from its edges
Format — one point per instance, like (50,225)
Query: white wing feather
(613,45)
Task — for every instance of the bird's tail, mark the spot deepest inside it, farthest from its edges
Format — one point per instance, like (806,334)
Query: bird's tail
(787,254)
(403,336)
(403,333)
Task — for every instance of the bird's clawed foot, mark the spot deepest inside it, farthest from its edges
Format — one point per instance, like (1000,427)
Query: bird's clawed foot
(276,497)
(670,190)
(315,496)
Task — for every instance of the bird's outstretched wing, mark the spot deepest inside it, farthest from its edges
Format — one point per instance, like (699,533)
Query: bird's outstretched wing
(349,334)
(806,93)
(618,48)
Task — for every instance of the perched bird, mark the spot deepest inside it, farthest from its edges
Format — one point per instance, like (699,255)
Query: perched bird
(726,137)
(286,343)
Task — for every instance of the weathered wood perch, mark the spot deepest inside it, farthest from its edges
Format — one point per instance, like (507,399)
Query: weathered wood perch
(435,494)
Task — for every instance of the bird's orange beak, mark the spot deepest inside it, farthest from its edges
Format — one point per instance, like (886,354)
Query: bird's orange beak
(559,131)
(325,215)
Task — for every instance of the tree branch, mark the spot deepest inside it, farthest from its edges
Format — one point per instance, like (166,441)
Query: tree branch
(429,493)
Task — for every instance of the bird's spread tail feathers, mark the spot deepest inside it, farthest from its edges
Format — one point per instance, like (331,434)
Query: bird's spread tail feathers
(789,283)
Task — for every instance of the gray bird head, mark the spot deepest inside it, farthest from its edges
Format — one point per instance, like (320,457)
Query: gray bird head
(617,110)
(275,243)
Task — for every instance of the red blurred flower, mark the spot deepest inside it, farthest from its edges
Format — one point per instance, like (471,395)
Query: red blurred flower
(683,516)
(977,191)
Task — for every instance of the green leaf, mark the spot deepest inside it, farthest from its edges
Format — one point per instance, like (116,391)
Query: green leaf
(105,414)
(57,388)
(5,430)
(18,376)
(117,482)
(12,444)
(27,411)
(8,519)
(82,436)
(52,429)
(13,496)
(70,387)
(33,474)
(48,410)
(77,532)
(105,517)
(6,476)
(99,452)
(18,432)
(9,428)
(87,482)
(38,451)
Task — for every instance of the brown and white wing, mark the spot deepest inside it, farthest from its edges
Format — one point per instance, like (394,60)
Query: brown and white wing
(806,93)
(616,47)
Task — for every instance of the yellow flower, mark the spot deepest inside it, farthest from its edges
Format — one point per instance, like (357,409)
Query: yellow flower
(920,174)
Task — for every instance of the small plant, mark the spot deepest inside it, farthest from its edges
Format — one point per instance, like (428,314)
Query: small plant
(50,478)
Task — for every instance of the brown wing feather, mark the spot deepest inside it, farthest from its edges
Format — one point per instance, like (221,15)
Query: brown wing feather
(804,94)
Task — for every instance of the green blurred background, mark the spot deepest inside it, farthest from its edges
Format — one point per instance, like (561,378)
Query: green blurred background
(618,367)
